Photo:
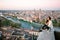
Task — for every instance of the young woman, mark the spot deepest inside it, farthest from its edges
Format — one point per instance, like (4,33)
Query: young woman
(47,31)
(44,34)
(50,24)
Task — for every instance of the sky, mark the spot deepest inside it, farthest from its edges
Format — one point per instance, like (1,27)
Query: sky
(29,4)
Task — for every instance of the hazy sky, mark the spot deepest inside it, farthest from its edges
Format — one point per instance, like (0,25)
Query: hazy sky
(29,4)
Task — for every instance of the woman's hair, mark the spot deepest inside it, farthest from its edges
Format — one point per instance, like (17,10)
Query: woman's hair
(49,17)
(47,21)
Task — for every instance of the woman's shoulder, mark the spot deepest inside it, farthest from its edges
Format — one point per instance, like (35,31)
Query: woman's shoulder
(50,20)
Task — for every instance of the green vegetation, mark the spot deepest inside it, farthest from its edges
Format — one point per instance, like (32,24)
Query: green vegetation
(43,21)
(24,21)
(37,20)
(55,23)
(16,25)
(14,16)
(5,22)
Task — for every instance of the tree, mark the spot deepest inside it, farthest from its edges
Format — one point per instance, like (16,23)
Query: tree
(16,25)
(37,20)
(43,21)
(5,22)
(54,22)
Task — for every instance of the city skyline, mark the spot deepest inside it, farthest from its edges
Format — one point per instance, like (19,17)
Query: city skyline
(29,4)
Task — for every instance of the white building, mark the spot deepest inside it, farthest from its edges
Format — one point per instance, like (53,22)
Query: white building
(1,14)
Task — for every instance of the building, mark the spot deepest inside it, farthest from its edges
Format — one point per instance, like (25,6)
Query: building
(1,14)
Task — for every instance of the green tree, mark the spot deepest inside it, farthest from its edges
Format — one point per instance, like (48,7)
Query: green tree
(38,20)
(5,22)
(43,21)
(16,25)
(58,24)
(54,22)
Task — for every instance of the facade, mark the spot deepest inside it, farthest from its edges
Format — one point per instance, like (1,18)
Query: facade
(1,14)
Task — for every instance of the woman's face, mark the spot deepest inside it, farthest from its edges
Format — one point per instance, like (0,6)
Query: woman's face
(48,18)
